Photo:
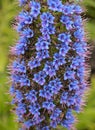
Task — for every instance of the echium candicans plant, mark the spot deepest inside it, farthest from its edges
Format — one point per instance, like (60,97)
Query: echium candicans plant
(49,73)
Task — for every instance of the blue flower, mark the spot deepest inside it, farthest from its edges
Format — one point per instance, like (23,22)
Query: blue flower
(51,89)
(77,21)
(18,96)
(20,49)
(31,96)
(21,79)
(40,77)
(20,27)
(70,100)
(19,67)
(34,109)
(78,9)
(51,29)
(79,34)
(46,92)
(42,45)
(46,128)
(53,124)
(35,8)
(47,18)
(77,62)
(55,5)
(21,109)
(64,49)
(74,85)
(28,124)
(56,113)
(43,54)
(49,69)
(67,21)
(49,105)
(68,9)
(27,33)
(37,120)
(64,37)
(69,74)
(80,47)
(25,18)
(67,123)
(58,60)
(34,63)
(81,72)
(12,89)
(44,30)
(21,46)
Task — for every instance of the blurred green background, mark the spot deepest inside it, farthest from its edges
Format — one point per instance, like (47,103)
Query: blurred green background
(8,10)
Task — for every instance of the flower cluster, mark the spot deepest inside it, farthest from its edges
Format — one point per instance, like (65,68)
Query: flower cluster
(47,25)
(40,77)
(19,73)
(55,5)
(51,89)
(43,42)
(49,70)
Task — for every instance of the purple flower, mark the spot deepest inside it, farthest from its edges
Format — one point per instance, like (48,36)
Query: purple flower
(56,114)
(77,21)
(53,124)
(77,62)
(47,18)
(64,49)
(80,47)
(28,124)
(49,105)
(43,54)
(21,79)
(46,128)
(31,96)
(69,74)
(40,77)
(67,123)
(18,67)
(58,60)
(18,96)
(35,8)
(74,85)
(34,109)
(78,9)
(79,34)
(49,69)
(55,5)
(64,37)
(33,64)
(27,33)
(21,46)
(25,18)
(12,90)
(42,45)
(51,89)
(21,109)
(67,21)
(68,9)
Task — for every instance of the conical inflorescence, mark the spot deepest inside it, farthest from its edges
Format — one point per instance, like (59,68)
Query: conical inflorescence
(49,73)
